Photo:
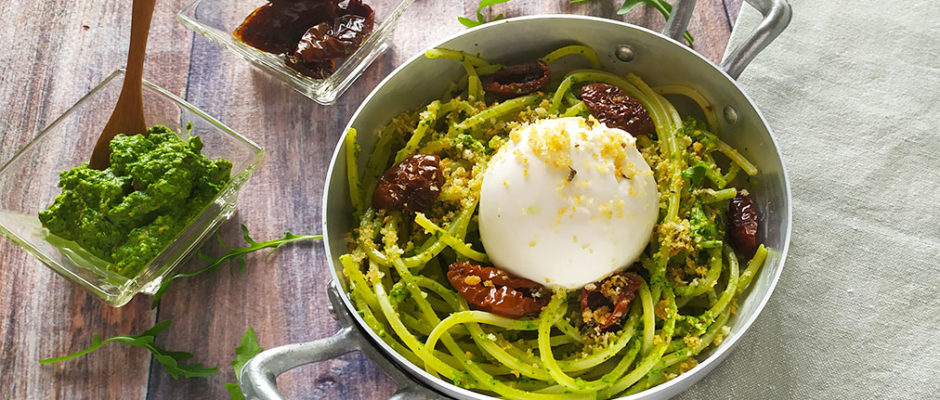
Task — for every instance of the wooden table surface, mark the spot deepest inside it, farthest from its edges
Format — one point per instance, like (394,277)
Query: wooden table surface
(52,52)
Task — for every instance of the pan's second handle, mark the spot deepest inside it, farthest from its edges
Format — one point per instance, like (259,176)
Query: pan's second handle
(258,380)
(777,15)
(679,19)
(259,377)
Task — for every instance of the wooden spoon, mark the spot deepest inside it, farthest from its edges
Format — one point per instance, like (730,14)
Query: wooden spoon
(128,114)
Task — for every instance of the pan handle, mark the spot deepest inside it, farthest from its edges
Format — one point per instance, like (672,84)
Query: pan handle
(679,19)
(258,380)
(777,14)
(258,377)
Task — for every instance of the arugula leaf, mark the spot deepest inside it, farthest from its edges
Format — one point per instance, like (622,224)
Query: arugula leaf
(234,391)
(469,23)
(664,8)
(171,360)
(233,255)
(248,349)
(629,5)
(480,19)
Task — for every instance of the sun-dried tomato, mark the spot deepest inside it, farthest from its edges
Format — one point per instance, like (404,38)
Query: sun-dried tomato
(490,289)
(742,224)
(411,185)
(615,108)
(310,34)
(276,27)
(325,41)
(517,80)
(605,304)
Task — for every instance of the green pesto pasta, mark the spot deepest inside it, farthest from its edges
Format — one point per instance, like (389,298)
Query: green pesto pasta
(691,278)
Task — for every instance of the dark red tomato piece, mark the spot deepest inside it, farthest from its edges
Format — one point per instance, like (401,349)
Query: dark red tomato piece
(605,304)
(616,109)
(517,80)
(493,290)
(341,38)
(742,224)
(411,185)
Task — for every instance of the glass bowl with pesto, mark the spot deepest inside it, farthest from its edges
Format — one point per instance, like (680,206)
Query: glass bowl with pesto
(119,231)
(227,23)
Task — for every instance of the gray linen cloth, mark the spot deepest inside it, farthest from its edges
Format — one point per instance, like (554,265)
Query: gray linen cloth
(852,92)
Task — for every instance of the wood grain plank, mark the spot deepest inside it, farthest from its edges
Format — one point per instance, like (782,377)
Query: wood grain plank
(283,297)
(56,52)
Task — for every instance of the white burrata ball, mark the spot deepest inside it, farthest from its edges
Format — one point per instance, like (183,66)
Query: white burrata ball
(566,202)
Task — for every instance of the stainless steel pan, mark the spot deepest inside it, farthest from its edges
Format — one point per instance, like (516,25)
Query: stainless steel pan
(659,59)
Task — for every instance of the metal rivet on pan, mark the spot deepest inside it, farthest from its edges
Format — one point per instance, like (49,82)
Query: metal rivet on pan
(731,115)
(624,53)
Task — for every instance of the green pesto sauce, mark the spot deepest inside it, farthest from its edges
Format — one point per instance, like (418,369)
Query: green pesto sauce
(128,213)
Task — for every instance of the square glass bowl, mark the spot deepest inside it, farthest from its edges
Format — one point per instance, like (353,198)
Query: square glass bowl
(28,184)
(216,19)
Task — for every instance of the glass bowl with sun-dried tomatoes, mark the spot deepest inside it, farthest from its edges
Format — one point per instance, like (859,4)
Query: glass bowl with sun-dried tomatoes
(317,47)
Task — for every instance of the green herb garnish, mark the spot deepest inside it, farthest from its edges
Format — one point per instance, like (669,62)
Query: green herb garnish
(469,23)
(233,255)
(172,361)
(248,349)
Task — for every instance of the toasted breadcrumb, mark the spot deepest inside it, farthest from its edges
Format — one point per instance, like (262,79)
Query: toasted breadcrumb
(472,280)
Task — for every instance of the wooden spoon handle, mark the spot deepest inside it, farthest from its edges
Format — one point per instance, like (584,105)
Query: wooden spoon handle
(128,114)
(141,15)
